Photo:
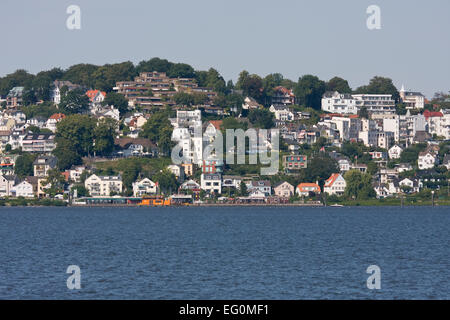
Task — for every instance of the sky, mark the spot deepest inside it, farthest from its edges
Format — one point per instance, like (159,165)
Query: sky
(326,38)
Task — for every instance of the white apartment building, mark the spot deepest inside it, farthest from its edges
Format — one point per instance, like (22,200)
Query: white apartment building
(211,182)
(376,103)
(144,187)
(103,185)
(336,102)
(412,100)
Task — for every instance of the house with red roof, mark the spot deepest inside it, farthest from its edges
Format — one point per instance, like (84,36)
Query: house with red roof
(96,97)
(304,189)
(335,185)
(53,121)
(438,122)
(282,96)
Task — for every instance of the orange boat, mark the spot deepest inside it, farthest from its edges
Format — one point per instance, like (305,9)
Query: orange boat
(156,201)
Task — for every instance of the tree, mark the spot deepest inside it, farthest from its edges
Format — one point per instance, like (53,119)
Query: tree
(359,186)
(130,174)
(380,85)
(117,100)
(253,87)
(67,155)
(74,101)
(54,183)
(167,181)
(104,134)
(78,131)
(154,64)
(338,84)
(309,91)
(24,165)
(320,168)
(243,189)
(241,80)
(181,70)
(261,118)
(183,98)
(159,131)
(81,74)
(105,77)
(363,113)
(28,96)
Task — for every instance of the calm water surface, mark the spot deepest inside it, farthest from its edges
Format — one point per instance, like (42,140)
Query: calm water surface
(225,253)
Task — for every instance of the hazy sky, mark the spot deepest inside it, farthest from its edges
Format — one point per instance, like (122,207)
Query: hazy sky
(296,37)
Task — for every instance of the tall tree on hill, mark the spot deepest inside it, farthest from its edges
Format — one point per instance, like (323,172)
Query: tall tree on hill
(74,101)
(309,91)
(380,85)
(338,84)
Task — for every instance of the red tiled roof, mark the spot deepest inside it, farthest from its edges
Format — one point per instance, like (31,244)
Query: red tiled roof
(329,182)
(427,114)
(305,185)
(57,116)
(216,123)
(92,93)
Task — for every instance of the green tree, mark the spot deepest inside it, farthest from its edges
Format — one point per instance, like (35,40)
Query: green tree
(261,118)
(167,181)
(54,183)
(67,154)
(104,134)
(243,189)
(117,100)
(78,131)
(359,186)
(380,85)
(154,64)
(24,165)
(74,101)
(159,131)
(309,91)
(338,84)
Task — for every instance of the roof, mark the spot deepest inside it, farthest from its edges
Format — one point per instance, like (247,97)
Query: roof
(126,142)
(216,123)
(57,116)
(306,185)
(330,181)
(427,114)
(281,183)
(49,160)
(260,183)
(93,93)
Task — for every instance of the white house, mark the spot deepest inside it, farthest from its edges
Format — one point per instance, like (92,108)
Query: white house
(336,102)
(282,113)
(54,120)
(335,185)
(427,160)
(103,185)
(23,189)
(144,187)
(211,182)
(263,185)
(412,100)
(7,183)
(395,152)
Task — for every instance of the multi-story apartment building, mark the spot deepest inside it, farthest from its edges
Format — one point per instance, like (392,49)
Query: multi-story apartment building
(336,102)
(103,185)
(43,164)
(42,142)
(282,96)
(376,103)
(412,100)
